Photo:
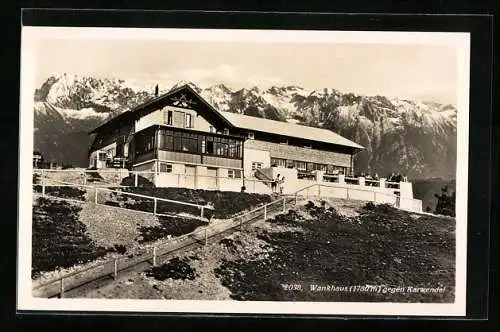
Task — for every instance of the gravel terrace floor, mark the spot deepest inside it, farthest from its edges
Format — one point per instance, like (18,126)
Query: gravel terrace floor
(364,253)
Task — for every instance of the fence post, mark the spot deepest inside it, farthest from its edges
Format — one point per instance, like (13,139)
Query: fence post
(265,212)
(61,291)
(135,179)
(43,190)
(84,178)
(347,193)
(154,208)
(115,273)
(95,198)
(284,204)
(154,256)
(202,211)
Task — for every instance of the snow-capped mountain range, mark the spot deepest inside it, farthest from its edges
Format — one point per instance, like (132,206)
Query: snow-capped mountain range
(417,138)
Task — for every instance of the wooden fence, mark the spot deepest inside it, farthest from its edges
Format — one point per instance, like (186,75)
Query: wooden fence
(60,285)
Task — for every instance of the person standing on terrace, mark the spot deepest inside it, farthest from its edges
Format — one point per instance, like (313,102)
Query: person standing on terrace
(274,183)
(281,182)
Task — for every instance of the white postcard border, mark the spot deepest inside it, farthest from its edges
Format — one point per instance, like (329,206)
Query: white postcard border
(30,37)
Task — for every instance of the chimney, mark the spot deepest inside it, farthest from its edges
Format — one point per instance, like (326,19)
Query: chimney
(156,90)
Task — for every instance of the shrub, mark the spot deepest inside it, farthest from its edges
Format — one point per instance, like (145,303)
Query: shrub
(445,202)
(66,192)
(175,268)
(93,177)
(173,226)
(129,181)
(369,206)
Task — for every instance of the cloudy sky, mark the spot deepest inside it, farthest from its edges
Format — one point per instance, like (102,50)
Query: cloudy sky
(413,71)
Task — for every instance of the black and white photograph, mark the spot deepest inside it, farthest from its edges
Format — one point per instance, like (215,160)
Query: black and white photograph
(243,171)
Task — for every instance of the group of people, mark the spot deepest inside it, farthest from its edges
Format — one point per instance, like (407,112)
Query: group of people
(277,184)
(370,180)
(373,179)
(397,177)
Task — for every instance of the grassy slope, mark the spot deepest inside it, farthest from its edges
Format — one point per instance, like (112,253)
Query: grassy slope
(59,239)
(313,245)
(382,246)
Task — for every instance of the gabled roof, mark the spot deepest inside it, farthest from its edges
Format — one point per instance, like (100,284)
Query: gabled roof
(137,111)
(288,129)
(240,121)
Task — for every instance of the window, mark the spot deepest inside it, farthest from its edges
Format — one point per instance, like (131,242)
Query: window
(170,140)
(278,162)
(179,119)
(203,146)
(210,147)
(189,121)
(300,165)
(332,169)
(168,120)
(102,156)
(166,140)
(250,135)
(226,131)
(234,173)
(256,165)
(165,168)
(144,142)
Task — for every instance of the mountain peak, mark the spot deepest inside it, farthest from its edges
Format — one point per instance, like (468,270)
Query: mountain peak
(220,87)
(188,83)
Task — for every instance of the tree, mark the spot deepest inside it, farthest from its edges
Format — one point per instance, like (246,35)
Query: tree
(445,202)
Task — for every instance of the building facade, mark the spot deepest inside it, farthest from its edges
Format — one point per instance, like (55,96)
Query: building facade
(179,140)
(179,135)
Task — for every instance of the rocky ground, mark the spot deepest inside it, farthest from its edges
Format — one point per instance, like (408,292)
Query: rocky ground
(368,253)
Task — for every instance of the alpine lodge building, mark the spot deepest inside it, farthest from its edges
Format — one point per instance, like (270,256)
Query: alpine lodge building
(179,140)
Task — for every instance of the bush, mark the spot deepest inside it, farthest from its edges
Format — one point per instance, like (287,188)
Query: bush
(129,181)
(66,192)
(175,268)
(445,202)
(36,178)
(93,177)
(173,226)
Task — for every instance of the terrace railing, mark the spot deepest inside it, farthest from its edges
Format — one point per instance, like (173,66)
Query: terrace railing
(331,191)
